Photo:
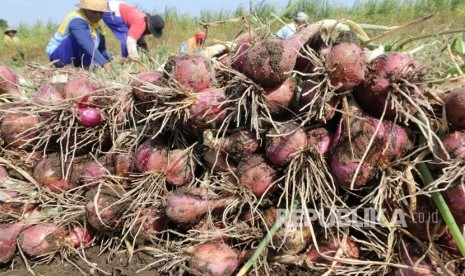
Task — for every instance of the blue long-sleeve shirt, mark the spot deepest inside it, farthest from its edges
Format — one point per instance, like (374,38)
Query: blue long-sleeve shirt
(87,37)
(80,29)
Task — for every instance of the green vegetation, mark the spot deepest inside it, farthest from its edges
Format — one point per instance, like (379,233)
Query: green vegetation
(449,14)
(3,24)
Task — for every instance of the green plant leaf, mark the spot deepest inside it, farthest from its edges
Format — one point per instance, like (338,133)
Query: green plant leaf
(458,47)
(453,70)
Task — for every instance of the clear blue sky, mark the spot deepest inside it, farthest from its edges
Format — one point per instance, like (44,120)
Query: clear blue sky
(31,11)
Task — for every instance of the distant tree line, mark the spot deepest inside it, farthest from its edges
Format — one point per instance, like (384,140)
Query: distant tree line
(3,23)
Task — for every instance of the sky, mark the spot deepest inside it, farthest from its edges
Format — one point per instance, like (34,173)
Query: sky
(29,12)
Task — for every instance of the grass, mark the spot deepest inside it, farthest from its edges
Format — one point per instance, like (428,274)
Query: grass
(179,26)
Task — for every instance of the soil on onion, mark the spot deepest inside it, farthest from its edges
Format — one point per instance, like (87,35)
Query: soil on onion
(270,53)
(347,37)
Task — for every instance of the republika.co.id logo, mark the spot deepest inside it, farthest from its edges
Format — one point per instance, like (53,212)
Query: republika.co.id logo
(366,217)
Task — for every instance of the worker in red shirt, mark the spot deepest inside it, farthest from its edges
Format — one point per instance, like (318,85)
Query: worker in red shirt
(193,44)
(130,26)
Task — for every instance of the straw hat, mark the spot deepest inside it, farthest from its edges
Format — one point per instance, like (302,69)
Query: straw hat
(9,29)
(94,5)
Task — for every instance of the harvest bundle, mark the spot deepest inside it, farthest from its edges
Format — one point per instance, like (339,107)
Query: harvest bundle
(197,162)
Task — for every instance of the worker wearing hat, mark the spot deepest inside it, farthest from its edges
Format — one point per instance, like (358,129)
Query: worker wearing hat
(193,44)
(13,46)
(10,35)
(80,39)
(300,21)
(130,26)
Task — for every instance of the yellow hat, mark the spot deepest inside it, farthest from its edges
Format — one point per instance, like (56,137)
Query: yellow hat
(94,5)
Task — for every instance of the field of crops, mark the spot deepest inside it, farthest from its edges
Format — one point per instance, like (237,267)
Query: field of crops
(338,151)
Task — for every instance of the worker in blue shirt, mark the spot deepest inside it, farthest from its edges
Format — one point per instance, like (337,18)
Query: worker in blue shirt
(300,21)
(80,40)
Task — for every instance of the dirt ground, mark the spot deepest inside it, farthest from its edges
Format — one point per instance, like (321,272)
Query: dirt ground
(118,266)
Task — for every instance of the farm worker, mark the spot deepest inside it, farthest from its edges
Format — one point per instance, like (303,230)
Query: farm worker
(80,39)
(130,26)
(12,43)
(10,36)
(300,21)
(193,44)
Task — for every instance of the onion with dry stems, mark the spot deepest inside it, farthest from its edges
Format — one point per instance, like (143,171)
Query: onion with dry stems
(270,61)
(346,63)
(239,58)
(321,138)
(213,259)
(104,210)
(284,143)
(193,72)
(208,107)
(454,144)
(455,109)
(372,94)
(9,81)
(369,144)
(238,144)
(420,264)
(48,173)
(291,238)
(96,170)
(279,98)
(18,129)
(455,199)
(8,235)
(144,78)
(79,236)
(42,239)
(254,173)
(151,157)
(48,95)
(342,247)
(218,161)
(323,254)
(124,164)
(313,102)
(149,223)
(188,205)
(88,116)
(80,89)
(179,168)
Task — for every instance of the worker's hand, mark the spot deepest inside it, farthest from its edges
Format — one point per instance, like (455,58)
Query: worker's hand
(107,66)
(134,59)
(123,60)
(138,62)
(120,60)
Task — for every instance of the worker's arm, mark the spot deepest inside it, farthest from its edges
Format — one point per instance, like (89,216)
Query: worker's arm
(131,43)
(103,48)
(135,33)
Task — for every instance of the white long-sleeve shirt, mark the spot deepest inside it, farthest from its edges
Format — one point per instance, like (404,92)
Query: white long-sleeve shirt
(287,30)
